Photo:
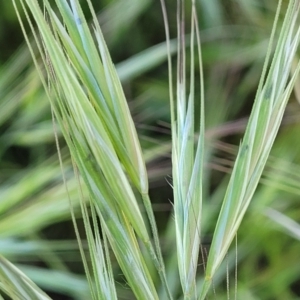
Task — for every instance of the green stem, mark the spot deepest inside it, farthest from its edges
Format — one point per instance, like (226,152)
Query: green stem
(156,254)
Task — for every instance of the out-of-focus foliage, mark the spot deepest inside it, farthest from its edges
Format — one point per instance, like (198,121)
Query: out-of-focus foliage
(35,228)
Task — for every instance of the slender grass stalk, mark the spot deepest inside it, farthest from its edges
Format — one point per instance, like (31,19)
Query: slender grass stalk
(187,163)
(90,107)
(99,130)
(133,148)
(16,285)
(271,99)
(270,102)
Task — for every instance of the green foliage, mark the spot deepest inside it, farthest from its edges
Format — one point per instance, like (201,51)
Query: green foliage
(110,141)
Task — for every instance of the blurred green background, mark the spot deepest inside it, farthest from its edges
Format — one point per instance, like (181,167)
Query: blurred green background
(35,228)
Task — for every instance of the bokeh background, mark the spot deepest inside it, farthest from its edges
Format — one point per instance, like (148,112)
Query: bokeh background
(36,233)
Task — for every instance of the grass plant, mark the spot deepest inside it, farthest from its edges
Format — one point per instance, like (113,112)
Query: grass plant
(110,177)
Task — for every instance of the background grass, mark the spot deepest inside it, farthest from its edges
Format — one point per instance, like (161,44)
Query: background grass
(36,232)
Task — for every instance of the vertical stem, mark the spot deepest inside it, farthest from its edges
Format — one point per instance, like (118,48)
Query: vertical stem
(156,255)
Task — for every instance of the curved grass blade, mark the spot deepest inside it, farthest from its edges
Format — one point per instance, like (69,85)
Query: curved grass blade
(16,284)
(271,99)
(100,139)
